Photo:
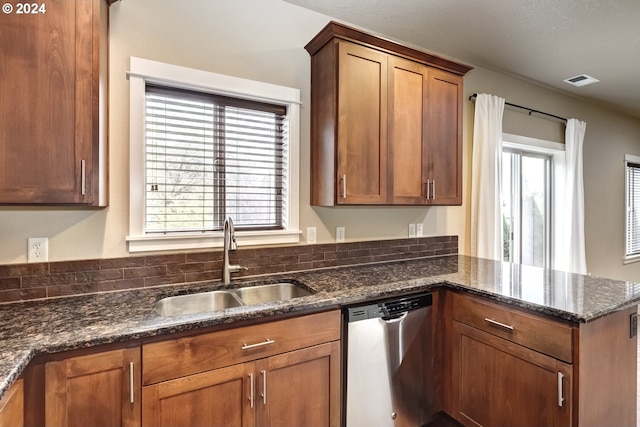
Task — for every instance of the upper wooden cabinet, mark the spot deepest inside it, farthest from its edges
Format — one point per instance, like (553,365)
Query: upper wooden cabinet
(53,78)
(385,122)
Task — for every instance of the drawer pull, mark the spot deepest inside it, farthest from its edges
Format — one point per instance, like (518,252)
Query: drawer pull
(83,178)
(344,186)
(560,393)
(131,389)
(496,323)
(251,389)
(260,344)
(264,387)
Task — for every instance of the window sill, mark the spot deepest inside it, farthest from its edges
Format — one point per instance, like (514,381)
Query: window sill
(629,259)
(166,242)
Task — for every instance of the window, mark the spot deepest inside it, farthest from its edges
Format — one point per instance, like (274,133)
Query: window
(632,190)
(206,146)
(532,172)
(526,207)
(209,157)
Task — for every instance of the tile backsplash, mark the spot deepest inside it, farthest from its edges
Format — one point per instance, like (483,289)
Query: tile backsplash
(47,280)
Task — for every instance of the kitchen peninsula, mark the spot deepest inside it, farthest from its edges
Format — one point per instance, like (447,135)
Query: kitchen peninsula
(578,324)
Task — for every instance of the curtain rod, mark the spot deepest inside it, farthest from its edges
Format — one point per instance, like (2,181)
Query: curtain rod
(530,110)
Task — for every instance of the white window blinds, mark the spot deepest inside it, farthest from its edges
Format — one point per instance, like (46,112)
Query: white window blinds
(633,208)
(208,157)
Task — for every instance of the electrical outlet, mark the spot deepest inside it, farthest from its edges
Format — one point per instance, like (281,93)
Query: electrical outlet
(38,249)
(633,326)
(412,231)
(419,230)
(340,231)
(311,235)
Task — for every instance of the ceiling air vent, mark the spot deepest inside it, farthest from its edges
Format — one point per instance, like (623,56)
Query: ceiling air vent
(581,80)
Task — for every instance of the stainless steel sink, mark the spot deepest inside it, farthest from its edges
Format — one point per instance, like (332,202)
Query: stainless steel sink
(220,300)
(197,303)
(273,292)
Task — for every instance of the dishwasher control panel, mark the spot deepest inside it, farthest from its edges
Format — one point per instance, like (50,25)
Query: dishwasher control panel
(389,308)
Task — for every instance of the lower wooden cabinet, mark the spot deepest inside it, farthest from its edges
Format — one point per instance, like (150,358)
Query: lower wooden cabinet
(280,373)
(506,366)
(12,406)
(509,368)
(94,390)
(213,398)
(298,388)
(499,383)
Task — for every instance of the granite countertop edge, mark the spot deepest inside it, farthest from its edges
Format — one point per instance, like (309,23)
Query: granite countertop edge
(132,321)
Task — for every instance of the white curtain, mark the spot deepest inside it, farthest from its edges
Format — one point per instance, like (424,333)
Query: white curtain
(486,205)
(573,227)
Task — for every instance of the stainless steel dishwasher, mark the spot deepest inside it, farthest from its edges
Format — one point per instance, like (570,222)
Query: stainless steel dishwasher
(388,355)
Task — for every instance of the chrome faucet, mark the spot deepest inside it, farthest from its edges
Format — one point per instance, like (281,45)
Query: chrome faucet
(229,245)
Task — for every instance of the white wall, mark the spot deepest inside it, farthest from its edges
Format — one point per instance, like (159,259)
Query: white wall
(264,40)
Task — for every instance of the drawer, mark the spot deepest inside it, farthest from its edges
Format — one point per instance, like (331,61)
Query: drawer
(175,358)
(545,336)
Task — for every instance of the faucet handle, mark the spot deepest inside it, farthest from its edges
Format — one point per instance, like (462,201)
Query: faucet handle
(237,268)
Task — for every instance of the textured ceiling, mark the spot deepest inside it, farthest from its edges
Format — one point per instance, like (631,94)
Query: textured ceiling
(542,40)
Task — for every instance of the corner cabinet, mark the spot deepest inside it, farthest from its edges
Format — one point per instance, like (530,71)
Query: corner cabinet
(53,81)
(386,122)
(281,373)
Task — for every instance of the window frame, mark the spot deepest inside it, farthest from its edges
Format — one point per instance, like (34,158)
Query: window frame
(143,71)
(634,257)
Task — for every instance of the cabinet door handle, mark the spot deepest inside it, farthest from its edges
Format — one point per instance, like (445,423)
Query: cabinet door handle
(433,193)
(131,392)
(83,178)
(560,393)
(264,387)
(251,392)
(267,341)
(344,186)
(496,323)
(426,190)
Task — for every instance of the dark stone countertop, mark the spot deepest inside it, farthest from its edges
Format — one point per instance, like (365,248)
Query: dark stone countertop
(32,328)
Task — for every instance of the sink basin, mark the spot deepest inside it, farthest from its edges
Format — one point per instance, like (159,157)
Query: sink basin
(273,292)
(197,303)
(219,300)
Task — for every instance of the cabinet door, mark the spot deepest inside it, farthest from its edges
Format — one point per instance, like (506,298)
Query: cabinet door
(94,390)
(48,107)
(300,388)
(445,138)
(12,406)
(408,83)
(222,397)
(496,382)
(362,125)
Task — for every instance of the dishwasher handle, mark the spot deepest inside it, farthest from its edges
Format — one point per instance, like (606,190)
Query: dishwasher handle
(395,318)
